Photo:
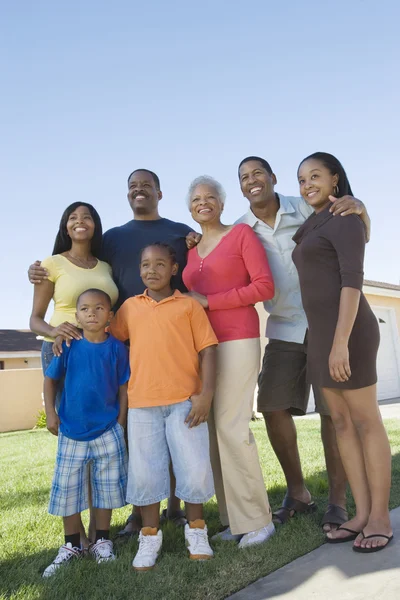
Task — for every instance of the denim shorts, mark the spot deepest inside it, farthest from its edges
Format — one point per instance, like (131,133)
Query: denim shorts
(106,460)
(157,436)
(47,356)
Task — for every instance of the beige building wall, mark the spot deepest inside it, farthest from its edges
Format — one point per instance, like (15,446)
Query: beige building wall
(22,363)
(20,398)
(262,313)
(386,302)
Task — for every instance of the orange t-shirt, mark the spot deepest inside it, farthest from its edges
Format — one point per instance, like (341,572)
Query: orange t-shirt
(165,340)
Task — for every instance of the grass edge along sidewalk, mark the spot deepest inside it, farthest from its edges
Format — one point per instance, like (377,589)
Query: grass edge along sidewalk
(29,537)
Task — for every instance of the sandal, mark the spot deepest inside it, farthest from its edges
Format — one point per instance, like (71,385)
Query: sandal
(377,548)
(290,507)
(178,518)
(341,540)
(133,518)
(334,515)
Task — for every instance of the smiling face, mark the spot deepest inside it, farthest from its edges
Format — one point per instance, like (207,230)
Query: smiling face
(157,268)
(316,183)
(205,205)
(93,312)
(143,193)
(80,224)
(256,183)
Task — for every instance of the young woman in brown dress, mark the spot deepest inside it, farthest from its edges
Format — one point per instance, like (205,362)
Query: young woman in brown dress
(342,347)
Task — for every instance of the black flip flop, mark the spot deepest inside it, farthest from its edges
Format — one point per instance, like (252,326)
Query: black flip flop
(377,548)
(349,538)
(178,518)
(290,507)
(133,518)
(334,515)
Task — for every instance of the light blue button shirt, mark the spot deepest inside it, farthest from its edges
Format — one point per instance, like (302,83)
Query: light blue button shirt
(287,320)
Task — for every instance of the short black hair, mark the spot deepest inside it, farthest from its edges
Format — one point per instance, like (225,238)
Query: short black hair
(153,175)
(95,291)
(335,167)
(63,242)
(166,247)
(264,163)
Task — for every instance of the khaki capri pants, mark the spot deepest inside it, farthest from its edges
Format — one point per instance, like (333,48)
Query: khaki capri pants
(239,485)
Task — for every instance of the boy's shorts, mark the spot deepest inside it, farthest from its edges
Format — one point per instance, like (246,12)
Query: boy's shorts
(282,382)
(158,435)
(108,462)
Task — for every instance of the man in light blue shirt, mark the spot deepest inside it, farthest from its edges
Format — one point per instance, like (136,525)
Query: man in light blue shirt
(283,391)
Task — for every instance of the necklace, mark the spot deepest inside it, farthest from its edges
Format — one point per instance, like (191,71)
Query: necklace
(84,264)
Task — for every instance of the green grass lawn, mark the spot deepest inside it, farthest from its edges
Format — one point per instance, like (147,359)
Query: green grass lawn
(29,537)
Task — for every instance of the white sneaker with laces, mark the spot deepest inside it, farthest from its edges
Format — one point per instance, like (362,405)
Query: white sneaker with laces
(102,550)
(257,537)
(227,536)
(150,542)
(65,554)
(196,539)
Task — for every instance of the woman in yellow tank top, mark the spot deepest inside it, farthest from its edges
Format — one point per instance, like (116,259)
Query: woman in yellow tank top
(73,268)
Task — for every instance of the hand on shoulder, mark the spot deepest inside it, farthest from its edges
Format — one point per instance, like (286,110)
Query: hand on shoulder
(199,297)
(37,273)
(192,239)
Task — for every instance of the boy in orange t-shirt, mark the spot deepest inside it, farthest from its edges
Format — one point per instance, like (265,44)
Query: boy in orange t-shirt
(172,360)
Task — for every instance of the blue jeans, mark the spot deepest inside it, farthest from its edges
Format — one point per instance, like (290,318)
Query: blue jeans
(158,435)
(47,356)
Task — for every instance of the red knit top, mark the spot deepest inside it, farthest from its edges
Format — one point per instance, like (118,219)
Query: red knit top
(234,277)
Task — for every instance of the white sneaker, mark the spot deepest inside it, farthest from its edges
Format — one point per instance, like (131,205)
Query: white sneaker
(227,536)
(102,550)
(257,537)
(65,554)
(197,543)
(149,549)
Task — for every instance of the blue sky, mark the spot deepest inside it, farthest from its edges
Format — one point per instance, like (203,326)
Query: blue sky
(92,90)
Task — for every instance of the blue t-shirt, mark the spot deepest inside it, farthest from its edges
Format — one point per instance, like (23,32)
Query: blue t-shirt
(122,246)
(93,373)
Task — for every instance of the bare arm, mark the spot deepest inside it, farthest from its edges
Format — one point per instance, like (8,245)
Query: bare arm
(49,393)
(339,365)
(201,403)
(42,295)
(123,404)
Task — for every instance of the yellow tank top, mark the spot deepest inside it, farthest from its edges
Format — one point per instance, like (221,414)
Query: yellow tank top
(70,281)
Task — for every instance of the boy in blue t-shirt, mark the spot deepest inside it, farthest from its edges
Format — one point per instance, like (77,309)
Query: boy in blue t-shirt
(90,427)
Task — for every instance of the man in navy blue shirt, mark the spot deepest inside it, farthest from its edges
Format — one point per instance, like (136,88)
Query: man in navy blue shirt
(122,245)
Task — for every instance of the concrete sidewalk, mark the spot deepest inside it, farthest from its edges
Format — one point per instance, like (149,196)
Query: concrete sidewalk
(334,572)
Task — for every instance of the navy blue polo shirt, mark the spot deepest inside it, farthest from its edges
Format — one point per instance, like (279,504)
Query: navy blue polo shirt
(122,247)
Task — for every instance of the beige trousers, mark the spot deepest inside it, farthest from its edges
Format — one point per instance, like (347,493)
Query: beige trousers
(239,485)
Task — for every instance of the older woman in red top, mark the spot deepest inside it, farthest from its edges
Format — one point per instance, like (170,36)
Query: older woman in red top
(228,272)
